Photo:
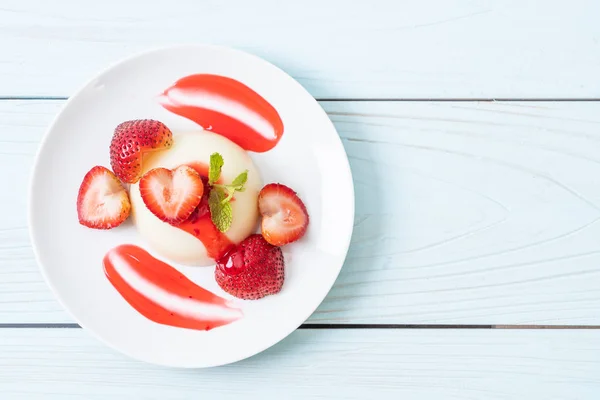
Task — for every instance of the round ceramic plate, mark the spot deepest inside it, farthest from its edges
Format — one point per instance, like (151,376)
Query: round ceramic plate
(309,158)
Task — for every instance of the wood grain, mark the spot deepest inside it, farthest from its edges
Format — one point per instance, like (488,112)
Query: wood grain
(466,213)
(336,49)
(414,364)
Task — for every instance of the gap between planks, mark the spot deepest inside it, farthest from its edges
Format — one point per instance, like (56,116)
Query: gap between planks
(443,99)
(337,326)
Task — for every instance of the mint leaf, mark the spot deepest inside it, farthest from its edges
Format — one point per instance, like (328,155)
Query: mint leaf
(236,186)
(240,180)
(221,213)
(220,195)
(214,169)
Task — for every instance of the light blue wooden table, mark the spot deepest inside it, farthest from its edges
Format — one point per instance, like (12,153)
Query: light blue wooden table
(473,131)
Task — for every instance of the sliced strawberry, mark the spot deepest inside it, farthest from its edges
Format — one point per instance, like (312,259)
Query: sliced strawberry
(102,202)
(285,218)
(251,270)
(131,140)
(203,207)
(172,195)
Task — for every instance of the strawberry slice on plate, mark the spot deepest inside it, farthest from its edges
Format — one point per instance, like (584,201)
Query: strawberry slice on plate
(251,270)
(129,143)
(284,215)
(102,202)
(172,195)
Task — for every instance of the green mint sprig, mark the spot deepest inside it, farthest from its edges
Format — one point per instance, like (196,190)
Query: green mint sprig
(219,201)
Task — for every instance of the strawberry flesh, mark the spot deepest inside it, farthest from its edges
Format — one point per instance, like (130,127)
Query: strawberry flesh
(131,140)
(251,270)
(203,208)
(285,218)
(172,195)
(102,201)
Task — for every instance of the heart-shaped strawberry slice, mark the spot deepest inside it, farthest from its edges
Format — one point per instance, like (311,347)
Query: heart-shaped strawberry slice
(102,202)
(172,195)
(284,215)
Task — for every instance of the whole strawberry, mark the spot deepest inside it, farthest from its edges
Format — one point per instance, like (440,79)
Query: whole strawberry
(251,270)
(131,140)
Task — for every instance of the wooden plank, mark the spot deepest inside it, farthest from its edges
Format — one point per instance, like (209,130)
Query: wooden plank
(338,364)
(466,213)
(337,49)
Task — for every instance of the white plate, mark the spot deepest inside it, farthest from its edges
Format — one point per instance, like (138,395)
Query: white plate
(309,158)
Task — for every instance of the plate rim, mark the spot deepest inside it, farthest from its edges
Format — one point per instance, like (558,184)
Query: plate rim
(74,97)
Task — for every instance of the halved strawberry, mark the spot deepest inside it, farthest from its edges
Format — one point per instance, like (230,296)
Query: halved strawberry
(102,202)
(251,270)
(285,218)
(172,195)
(131,140)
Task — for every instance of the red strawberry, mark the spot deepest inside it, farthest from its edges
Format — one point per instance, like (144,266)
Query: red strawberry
(285,218)
(172,195)
(251,270)
(203,207)
(102,202)
(131,140)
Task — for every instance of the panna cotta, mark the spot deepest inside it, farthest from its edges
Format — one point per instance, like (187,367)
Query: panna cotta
(197,241)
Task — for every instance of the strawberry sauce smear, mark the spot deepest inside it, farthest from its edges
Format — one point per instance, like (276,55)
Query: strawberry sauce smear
(200,225)
(162,294)
(227,107)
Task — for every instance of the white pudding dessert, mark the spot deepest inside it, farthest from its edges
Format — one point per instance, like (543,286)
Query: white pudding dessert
(197,243)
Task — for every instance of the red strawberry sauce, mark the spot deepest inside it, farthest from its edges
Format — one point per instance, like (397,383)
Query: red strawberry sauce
(162,294)
(227,107)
